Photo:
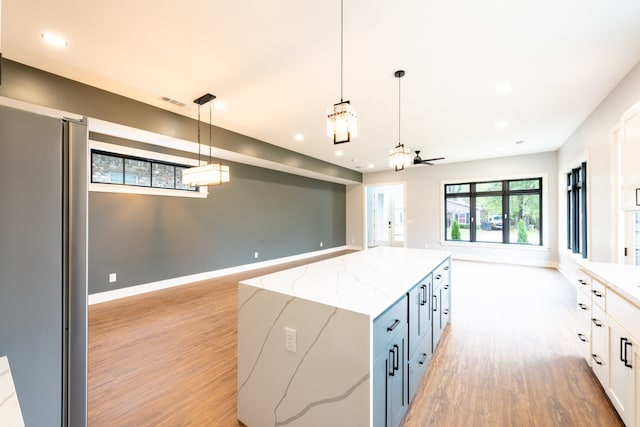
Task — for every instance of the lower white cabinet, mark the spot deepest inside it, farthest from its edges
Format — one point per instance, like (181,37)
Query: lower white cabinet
(600,345)
(614,334)
(583,324)
(623,354)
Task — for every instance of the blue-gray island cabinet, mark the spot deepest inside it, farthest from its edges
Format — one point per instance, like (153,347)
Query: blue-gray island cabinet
(342,341)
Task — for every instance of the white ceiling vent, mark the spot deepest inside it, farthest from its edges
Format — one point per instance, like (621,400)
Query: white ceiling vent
(172,101)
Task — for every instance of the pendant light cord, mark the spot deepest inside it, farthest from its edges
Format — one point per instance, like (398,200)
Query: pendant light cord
(341,46)
(198,134)
(399,109)
(210,160)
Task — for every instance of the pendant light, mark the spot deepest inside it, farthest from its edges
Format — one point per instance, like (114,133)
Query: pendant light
(342,122)
(399,156)
(210,173)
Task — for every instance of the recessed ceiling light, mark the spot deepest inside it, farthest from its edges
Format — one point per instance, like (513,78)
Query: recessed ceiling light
(501,124)
(54,39)
(298,137)
(219,105)
(338,153)
(503,87)
(499,149)
(371,166)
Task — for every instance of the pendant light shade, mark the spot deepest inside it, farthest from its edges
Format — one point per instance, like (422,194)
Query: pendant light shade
(342,121)
(210,173)
(399,156)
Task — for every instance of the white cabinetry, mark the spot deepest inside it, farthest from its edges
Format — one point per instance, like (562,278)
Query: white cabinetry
(583,316)
(614,333)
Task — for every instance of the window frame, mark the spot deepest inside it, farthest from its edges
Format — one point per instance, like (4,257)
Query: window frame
(505,193)
(152,157)
(576,191)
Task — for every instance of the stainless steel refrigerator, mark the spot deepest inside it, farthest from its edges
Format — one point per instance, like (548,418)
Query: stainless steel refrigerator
(43,267)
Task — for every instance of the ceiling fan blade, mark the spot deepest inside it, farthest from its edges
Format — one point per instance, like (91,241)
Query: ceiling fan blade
(432,160)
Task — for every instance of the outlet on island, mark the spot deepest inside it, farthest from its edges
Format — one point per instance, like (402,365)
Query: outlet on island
(113,277)
(290,341)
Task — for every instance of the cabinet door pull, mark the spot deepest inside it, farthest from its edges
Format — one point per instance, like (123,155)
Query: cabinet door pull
(597,322)
(582,282)
(597,359)
(438,276)
(423,359)
(445,311)
(393,326)
(624,357)
(583,306)
(582,337)
(390,362)
(597,293)
(396,359)
(423,299)
(435,303)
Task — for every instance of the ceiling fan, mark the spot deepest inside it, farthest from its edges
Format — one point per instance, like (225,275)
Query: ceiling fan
(417,160)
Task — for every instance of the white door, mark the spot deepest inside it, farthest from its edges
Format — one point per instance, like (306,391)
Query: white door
(385,211)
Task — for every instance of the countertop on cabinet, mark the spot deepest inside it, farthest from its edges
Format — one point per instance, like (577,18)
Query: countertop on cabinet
(623,279)
(365,282)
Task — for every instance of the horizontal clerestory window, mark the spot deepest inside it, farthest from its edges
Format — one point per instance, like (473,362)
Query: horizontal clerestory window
(122,169)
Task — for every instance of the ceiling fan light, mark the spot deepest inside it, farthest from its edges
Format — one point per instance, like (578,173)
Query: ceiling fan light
(342,122)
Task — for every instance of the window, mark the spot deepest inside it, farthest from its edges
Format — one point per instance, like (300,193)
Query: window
(577,210)
(504,211)
(116,168)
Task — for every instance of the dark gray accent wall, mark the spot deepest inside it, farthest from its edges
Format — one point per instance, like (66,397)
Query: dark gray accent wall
(146,238)
(38,87)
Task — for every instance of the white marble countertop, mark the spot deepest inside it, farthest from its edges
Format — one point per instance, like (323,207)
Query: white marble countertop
(624,279)
(366,282)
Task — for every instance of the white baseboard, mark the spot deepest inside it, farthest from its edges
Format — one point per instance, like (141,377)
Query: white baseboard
(178,281)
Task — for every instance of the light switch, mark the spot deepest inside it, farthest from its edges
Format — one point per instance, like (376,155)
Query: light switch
(112,278)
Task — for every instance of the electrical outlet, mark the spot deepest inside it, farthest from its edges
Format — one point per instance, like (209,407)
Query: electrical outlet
(290,340)
(321,244)
(255,255)
(113,277)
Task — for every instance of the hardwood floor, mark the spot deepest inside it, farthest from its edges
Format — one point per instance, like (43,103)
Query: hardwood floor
(509,358)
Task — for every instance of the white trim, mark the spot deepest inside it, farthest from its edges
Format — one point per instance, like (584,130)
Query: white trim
(202,193)
(551,264)
(39,109)
(184,280)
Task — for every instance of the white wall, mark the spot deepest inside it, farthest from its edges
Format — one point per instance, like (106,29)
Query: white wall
(593,139)
(425,208)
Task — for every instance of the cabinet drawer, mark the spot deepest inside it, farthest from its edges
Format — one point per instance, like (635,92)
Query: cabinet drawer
(438,276)
(583,282)
(600,346)
(418,365)
(624,313)
(599,294)
(388,324)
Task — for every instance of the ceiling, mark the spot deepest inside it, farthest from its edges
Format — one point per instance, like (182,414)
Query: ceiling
(276,66)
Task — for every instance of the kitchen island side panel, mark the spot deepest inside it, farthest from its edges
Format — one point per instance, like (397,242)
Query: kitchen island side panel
(326,381)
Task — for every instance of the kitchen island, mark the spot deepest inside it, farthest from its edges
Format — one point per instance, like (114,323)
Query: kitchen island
(310,338)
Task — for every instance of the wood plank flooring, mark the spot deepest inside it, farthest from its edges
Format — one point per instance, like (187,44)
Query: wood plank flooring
(509,358)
